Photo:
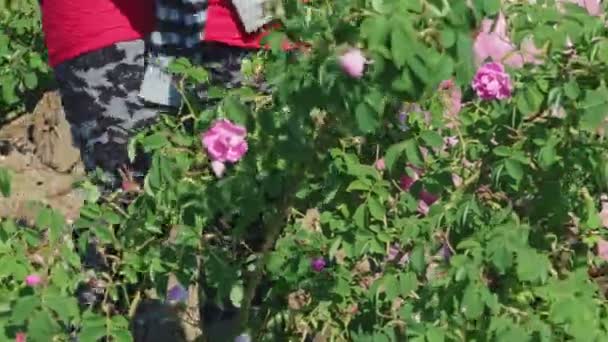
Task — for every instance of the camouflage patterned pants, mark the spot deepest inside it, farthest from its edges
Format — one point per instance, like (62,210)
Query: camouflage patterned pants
(100,94)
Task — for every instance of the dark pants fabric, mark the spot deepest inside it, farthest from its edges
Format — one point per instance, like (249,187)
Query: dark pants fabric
(100,95)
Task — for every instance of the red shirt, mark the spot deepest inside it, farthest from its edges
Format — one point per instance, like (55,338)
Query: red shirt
(224,26)
(74,27)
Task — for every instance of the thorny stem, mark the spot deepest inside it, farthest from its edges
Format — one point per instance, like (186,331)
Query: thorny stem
(275,225)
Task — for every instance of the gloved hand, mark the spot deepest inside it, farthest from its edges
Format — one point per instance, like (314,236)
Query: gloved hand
(256,13)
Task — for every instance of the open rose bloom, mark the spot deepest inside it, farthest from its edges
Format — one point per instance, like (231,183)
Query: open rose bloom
(491,82)
(225,142)
(353,63)
(33,280)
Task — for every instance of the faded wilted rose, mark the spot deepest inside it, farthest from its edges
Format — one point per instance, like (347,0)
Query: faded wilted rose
(604,211)
(493,43)
(311,220)
(602,249)
(340,256)
(452,99)
(298,300)
(363,267)
(367,281)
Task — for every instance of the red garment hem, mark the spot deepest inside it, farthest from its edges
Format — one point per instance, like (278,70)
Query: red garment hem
(104,40)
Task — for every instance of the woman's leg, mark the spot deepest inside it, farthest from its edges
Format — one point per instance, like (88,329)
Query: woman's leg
(100,94)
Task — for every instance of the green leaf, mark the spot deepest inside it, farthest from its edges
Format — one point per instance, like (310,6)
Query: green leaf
(53,221)
(530,100)
(123,335)
(92,333)
(391,286)
(30,80)
(595,108)
(367,118)
(412,152)
(435,334)
(514,169)
(5,182)
(393,153)
(400,45)
(236,295)
(572,90)
(448,38)
(42,327)
(24,308)
(417,259)
(432,139)
(104,233)
(472,304)
(359,216)
(408,283)
(465,68)
(376,209)
(376,29)
(491,7)
(236,111)
(66,308)
(404,82)
(602,51)
(532,266)
(9,85)
(154,142)
(502,151)
(547,156)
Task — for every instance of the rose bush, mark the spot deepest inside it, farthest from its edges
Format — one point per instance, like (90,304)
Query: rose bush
(23,72)
(399,183)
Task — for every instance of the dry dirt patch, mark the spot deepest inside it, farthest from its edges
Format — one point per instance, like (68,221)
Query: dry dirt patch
(37,149)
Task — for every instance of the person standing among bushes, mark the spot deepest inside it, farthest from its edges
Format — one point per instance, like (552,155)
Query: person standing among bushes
(98,53)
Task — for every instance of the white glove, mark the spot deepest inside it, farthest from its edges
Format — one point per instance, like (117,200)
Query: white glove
(253,13)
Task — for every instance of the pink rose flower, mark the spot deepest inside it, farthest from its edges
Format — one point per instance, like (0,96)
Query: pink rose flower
(380,165)
(491,82)
(393,253)
(33,280)
(353,63)
(495,45)
(449,142)
(318,264)
(406,181)
(21,337)
(604,212)
(225,143)
(602,249)
(426,201)
(218,168)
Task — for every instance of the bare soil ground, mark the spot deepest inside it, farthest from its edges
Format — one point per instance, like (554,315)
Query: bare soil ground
(37,148)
